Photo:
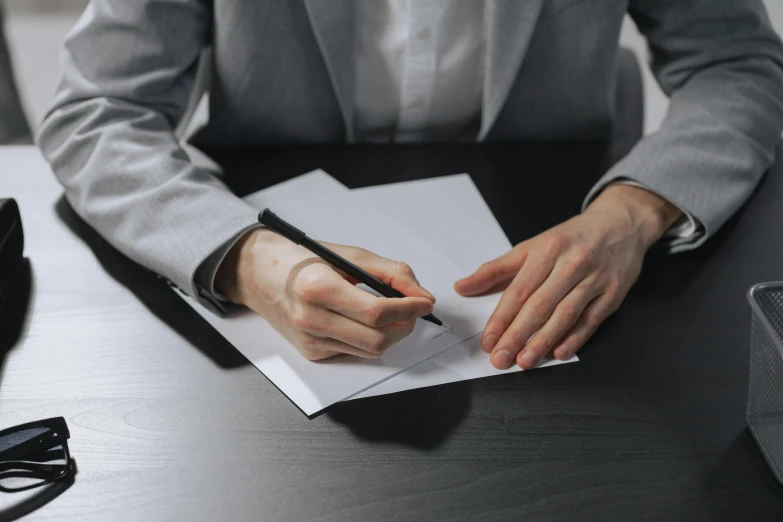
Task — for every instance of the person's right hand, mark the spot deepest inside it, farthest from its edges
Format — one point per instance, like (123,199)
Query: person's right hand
(313,305)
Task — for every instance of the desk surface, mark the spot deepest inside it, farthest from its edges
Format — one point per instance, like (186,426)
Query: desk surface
(169,422)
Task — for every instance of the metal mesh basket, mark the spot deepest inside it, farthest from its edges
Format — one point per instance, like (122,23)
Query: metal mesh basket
(765,390)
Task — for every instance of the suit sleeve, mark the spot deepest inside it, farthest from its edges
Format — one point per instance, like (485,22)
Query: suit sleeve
(128,70)
(721,63)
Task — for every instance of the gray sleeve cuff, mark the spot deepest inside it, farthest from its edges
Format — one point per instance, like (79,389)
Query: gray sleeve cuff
(204,277)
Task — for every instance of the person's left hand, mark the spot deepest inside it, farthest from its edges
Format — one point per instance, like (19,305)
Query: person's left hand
(563,283)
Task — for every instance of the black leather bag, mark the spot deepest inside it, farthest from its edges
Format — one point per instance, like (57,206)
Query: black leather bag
(11,247)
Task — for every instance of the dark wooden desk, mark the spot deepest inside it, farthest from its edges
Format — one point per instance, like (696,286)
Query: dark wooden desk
(169,422)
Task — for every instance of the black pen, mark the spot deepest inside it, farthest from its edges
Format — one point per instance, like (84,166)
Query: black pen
(273,222)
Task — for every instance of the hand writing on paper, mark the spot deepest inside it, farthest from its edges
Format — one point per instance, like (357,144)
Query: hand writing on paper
(563,283)
(318,309)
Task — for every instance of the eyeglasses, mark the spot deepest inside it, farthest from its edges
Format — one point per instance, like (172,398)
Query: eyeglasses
(34,454)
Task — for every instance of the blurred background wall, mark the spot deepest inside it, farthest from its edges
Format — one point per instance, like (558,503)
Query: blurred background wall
(36,28)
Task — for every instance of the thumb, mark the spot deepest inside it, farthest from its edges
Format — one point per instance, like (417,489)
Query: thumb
(491,274)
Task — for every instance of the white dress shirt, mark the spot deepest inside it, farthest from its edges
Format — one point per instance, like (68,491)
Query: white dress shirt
(420,72)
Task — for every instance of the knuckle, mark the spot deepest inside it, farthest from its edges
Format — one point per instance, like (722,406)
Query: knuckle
(302,319)
(554,245)
(403,268)
(513,340)
(572,345)
(592,320)
(378,342)
(299,287)
(361,255)
(308,343)
(586,288)
(315,355)
(540,344)
(569,313)
(490,268)
(518,293)
(354,252)
(308,286)
(613,292)
(311,349)
(538,305)
(376,315)
(516,341)
(583,258)
(311,355)
(409,313)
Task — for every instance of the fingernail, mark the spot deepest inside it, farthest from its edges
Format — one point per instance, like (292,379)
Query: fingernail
(502,359)
(528,359)
(489,342)
(561,353)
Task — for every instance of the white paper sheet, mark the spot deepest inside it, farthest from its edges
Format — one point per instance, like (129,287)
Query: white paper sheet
(450,215)
(325,210)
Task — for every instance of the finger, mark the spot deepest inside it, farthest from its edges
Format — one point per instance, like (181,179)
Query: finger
(492,274)
(535,311)
(320,322)
(592,317)
(315,348)
(321,286)
(563,319)
(530,277)
(396,274)
(374,311)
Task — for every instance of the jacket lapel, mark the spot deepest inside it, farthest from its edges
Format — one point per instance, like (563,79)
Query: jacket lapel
(334,23)
(510,26)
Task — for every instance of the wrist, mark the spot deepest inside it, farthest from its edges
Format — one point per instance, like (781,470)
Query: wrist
(236,269)
(648,214)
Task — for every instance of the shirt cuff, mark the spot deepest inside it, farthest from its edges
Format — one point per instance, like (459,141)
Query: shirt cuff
(685,230)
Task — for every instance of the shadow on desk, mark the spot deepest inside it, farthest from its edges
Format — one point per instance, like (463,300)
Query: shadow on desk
(421,418)
(155,295)
(39,499)
(15,310)
(742,449)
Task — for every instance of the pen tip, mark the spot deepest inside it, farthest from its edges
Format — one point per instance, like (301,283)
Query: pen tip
(434,320)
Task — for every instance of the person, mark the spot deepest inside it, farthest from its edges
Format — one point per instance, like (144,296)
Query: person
(410,71)
(13,123)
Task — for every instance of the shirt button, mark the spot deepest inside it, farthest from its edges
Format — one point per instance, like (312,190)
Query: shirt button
(423,34)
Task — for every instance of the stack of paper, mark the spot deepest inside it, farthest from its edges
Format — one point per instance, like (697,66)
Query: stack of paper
(441,227)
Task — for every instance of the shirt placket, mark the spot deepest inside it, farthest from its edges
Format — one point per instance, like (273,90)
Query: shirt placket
(419,68)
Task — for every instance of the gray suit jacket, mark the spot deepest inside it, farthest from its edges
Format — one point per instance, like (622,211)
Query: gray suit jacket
(282,71)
